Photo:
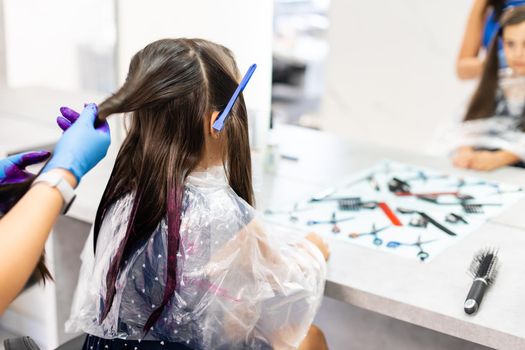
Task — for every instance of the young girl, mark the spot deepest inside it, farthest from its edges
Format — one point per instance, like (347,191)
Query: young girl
(492,134)
(180,260)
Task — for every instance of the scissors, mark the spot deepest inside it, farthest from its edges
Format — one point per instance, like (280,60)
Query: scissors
(377,241)
(429,219)
(422,254)
(334,221)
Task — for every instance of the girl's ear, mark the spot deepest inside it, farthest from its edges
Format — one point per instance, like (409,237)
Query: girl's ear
(214,133)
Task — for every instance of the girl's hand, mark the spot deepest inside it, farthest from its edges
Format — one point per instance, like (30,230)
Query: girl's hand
(463,157)
(486,160)
(319,243)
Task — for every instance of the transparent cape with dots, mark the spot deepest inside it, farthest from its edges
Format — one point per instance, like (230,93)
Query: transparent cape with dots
(239,285)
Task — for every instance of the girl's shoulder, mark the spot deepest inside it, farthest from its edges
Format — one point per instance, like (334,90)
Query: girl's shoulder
(220,204)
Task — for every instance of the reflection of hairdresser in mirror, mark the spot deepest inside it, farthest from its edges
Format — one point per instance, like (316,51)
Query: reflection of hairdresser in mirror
(482,25)
(492,134)
(25,224)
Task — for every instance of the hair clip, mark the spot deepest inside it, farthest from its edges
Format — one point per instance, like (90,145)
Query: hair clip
(219,123)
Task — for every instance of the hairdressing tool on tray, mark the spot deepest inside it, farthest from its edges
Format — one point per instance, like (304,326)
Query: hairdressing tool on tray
(371,178)
(333,221)
(219,123)
(427,194)
(497,187)
(355,203)
(499,190)
(396,185)
(324,195)
(454,218)
(402,189)
(428,218)
(483,269)
(346,203)
(422,176)
(418,221)
(374,233)
(289,157)
(464,201)
(403,186)
(390,214)
(421,254)
(463,183)
(373,182)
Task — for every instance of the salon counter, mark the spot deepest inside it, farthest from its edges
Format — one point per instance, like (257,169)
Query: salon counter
(429,294)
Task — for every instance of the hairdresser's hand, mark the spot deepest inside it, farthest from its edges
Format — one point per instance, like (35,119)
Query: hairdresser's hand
(487,160)
(12,169)
(68,118)
(319,243)
(463,157)
(82,145)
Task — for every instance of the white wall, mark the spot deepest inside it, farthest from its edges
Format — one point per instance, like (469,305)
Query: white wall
(2,45)
(54,43)
(391,70)
(244,26)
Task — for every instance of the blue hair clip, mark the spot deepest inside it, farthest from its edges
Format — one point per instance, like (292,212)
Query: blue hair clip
(219,123)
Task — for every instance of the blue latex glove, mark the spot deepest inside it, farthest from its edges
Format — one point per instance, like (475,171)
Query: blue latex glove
(68,117)
(12,169)
(82,145)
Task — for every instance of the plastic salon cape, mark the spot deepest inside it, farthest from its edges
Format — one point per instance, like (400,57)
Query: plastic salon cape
(238,286)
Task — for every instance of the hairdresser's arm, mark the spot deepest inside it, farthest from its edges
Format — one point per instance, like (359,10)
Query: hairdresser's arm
(469,65)
(23,233)
(24,229)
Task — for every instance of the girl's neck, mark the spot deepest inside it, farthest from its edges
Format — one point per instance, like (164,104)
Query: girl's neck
(202,166)
(209,160)
(213,153)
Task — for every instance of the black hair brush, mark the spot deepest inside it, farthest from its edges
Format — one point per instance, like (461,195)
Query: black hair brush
(483,269)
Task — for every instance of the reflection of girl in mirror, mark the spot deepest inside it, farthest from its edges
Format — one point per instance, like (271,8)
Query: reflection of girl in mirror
(493,132)
(180,259)
(482,26)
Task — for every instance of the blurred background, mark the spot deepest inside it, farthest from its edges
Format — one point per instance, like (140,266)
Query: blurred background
(378,72)
(326,64)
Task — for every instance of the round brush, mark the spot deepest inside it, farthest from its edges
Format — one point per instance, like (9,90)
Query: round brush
(483,269)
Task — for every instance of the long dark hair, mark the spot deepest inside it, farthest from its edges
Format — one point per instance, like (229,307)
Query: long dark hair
(483,102)
(497,7)
(172,86)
